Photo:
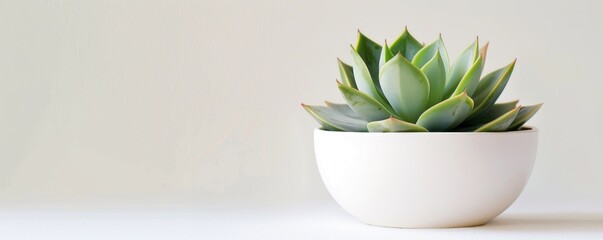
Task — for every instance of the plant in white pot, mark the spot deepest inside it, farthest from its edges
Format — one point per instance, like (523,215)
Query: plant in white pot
(421,142)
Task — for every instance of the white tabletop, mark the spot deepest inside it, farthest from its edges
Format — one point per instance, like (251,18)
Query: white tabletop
(311,221)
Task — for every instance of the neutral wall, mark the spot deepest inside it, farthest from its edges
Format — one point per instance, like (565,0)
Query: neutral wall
(197,102)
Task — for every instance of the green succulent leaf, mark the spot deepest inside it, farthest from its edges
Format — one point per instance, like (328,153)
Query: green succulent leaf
(370,52)
(447,114)
(386,55)
(524,114)
(492,113)
(364,81)
(460,67)
(367,107)
(407,45)
(490,88)
(501,123)
(394,125)
(335,121)
(427,53)
(343,109)
(405,87)
(347,74)
(470,81)
(435,71)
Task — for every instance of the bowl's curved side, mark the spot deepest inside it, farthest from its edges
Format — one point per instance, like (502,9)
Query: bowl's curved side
(425,180)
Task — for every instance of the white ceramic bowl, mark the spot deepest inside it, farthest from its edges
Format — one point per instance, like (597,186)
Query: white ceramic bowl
(425,180)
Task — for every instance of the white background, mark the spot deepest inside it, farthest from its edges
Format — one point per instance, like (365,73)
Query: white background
(196,103)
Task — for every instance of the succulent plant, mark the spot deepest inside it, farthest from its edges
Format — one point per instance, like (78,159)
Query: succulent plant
(411,87)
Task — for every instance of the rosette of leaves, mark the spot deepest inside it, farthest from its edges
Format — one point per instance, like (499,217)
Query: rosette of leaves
(406,86)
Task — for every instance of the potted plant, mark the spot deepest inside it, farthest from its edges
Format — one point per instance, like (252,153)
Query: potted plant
(420,142)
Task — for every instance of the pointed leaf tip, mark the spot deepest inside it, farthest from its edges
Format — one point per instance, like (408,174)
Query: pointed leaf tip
(501,123)
(366,67)
(524,114)
(367,107)
(460,68)
(332,120)
(490,87)
(492,113)
(470,80)
(386,55)
(347,73)
(406,44)
(483,52)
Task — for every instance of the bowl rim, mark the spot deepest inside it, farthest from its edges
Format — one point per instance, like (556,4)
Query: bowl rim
(524,130)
